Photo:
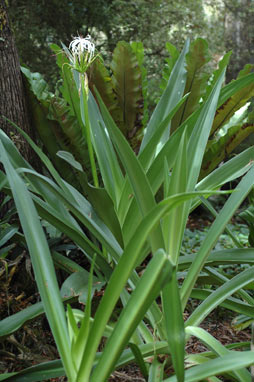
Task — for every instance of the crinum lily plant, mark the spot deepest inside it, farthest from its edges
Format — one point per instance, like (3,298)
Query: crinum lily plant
(81,54)
(122,222)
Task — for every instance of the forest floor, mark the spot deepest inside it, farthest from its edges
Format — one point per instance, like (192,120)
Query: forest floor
(34,344)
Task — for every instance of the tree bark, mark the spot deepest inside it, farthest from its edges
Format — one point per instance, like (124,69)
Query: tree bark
(12,96)
(239,34)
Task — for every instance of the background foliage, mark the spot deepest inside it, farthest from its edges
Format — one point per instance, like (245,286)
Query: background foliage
(226,24)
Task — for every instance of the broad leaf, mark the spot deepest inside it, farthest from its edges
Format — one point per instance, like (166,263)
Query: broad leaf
(197,76)
(235,102)
(127,83)
(219,149)
(77,285)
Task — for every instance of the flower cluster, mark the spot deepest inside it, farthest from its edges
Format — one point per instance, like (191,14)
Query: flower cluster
(82,50)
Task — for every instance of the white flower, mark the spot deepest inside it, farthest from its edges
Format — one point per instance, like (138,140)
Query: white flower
(82,49)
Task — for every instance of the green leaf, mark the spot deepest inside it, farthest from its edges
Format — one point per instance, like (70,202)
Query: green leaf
(174,224)
(157,272)
(83,211)
(72,326)
(74,232)
(139,359)
(65,263)
(54,369)
(61,57)
(170,62)
(156,371)
(231,303)
(99,78)
(123,270)
(218,296)
(135,172)
(58,130)
(12,323)
(138,49)
(45,160)
(200,134)
(7,233)
(155,175)
(248,216)
(83,333)
(42,372)
(146,158)
(108,163)
(234,87)
(216,229)
(68,157)
(237,100)
(70,133)
(217,366)
(99,198)
(228,171)
(242,375)
(172,309)
(241,322)
(127,83)
(169,98)
(38,85)
(68,88)
(42,262)
(57,215)
(226,256)
(197,76)
(223,63)
(77,285)
(220,148)
(198,126)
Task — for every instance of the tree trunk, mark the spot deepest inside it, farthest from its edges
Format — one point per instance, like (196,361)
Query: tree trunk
(239,34)
(12,96)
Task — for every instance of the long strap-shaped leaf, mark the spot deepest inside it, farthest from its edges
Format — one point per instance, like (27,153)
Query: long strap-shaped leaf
(199,127)
(136,174)
(42,263)
(200,134)
(217,366)
(231,303)
(197,77)
(216,229)
(174,324)
(239,99)
(226,256)
(157,272)
(120,276)
(217,347)
(171,96)
(85,213)
(199,130)
(155,175)
(54,369)
(108,163)
(214,300)
(173,228)
(145,158)
(66,226)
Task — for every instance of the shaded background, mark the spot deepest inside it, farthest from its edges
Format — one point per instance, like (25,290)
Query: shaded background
(226,24)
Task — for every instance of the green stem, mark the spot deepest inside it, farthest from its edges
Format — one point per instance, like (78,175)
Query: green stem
(87,131)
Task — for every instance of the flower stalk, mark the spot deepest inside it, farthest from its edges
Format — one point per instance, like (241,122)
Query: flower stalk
(87,129)
(81,55)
